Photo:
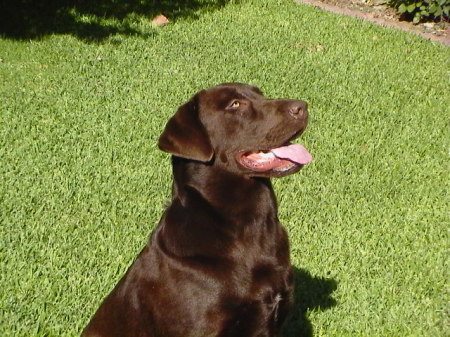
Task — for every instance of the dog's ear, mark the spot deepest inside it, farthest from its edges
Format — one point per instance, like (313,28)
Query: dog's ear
(185,136)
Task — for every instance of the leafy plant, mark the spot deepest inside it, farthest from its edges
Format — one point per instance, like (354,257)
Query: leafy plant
(420,10)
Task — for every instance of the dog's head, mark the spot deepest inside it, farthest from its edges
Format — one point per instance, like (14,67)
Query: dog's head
(234,126)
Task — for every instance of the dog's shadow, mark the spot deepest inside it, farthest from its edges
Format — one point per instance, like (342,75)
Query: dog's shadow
(311,293)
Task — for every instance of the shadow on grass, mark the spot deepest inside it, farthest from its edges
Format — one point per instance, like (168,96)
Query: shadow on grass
(90,20)
(311,293)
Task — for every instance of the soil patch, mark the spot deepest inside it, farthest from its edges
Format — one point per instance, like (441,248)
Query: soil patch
(381,14)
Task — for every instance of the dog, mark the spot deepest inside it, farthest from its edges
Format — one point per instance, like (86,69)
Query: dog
(217,264)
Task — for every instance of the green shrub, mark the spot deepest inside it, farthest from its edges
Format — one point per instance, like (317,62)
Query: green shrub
(418,10)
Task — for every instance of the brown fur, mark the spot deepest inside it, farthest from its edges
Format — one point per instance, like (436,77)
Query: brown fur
(218,263)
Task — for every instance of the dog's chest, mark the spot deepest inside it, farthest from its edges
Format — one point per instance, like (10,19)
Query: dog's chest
(260,275)
(257,301)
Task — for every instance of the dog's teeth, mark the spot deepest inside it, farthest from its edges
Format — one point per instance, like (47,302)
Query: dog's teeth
(265,154)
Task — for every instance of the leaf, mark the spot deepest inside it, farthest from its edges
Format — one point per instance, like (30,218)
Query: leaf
(160,20)
(411,8)
(432,8)
(402,8)
(446,10)
(438,12)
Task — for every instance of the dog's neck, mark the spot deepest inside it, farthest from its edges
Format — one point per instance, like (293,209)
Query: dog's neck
(225,191)
(226,208)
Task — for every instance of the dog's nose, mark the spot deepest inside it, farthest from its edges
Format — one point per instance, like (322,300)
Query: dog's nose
(298,109)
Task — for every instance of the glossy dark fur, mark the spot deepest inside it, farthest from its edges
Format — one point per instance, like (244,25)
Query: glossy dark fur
(218,263)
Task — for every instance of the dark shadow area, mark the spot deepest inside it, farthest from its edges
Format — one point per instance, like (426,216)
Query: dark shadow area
(90,20)
(311,293)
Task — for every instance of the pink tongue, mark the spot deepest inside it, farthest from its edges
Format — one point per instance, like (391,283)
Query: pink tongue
(294,152)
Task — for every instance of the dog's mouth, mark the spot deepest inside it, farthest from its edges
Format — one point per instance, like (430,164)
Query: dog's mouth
(280,159)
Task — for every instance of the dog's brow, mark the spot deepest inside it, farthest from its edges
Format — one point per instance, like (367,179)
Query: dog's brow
(252,94)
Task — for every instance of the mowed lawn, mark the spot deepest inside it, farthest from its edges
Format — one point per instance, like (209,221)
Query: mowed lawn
(82,182)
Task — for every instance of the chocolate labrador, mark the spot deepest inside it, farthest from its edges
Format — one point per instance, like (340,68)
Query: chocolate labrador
(217,265)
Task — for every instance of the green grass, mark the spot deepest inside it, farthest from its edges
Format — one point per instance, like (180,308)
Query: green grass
(83,183)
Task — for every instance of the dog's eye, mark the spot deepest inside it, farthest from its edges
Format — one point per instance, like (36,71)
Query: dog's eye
(235,104)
